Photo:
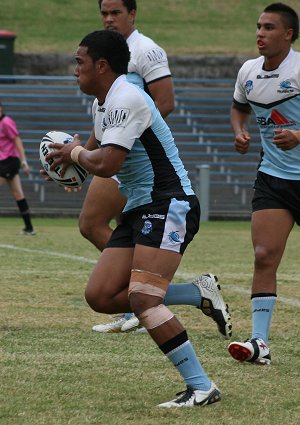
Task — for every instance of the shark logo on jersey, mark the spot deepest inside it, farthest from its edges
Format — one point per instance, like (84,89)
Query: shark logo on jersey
(285,84)
(285,87)
(174,237)
(147,227)
(249,86)
(117,117)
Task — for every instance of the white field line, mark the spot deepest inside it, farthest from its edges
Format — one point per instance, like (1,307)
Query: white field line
(52,254)
(179,275)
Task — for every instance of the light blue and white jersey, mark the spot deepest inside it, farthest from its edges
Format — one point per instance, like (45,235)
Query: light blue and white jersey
(274,96)
(130,120)
(148,61)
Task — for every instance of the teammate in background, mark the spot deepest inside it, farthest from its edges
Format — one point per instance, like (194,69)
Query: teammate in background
(162,213)
(149,69)
(12,157)
(270,86)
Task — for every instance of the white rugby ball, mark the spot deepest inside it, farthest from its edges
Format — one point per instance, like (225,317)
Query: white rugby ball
(75,175)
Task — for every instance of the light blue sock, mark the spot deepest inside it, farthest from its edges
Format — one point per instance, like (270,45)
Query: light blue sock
(128,316)
(180,352)
(262,309)
(183,294)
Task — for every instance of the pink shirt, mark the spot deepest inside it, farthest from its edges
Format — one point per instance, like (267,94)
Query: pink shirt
(8,133)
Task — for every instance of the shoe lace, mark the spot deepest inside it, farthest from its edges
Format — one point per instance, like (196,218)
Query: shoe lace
(117,319)
(185,395)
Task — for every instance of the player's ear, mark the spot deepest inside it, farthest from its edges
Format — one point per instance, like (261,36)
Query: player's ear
(101,65)
(289,33)
(132,14)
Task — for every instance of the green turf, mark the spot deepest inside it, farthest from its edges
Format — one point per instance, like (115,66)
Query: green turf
(55,371)
(180,26)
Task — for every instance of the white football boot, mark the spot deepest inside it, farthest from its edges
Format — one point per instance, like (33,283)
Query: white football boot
(114,326)
(212,303)
(130,324)
(192,398)
(133,325)
(254,350)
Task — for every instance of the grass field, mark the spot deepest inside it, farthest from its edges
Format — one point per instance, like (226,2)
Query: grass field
(55,371)
(181,27)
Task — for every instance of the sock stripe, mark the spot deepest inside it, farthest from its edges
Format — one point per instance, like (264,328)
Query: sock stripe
(174,343)
(170,353)
(263,295)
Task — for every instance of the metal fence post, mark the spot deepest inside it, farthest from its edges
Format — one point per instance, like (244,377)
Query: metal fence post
(202,189)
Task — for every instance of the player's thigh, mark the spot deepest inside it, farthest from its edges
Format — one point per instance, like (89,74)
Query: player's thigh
(103,200)
(16,187)
(155,260)
(2,181)
(111,273)
(270,229)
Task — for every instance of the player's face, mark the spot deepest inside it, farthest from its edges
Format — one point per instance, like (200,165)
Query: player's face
(115,17)
(273,38)
(86,71)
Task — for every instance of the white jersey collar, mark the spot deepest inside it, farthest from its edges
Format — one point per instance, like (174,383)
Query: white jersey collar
(115,85)
(133,36)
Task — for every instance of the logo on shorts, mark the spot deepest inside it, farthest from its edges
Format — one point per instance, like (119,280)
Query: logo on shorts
(174,237)
(147,227)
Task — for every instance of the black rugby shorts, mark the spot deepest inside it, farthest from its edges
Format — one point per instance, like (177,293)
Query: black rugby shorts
(169,224)
(9,167)
(275,193)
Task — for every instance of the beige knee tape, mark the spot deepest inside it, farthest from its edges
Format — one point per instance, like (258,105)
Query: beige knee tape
(148,283)
(155,316)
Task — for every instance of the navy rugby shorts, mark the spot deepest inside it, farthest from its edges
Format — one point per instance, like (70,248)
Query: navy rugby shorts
(169,224)
(9,167)
(275,193)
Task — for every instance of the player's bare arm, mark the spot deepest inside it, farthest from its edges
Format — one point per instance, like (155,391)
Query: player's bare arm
(240,116)
(103,162)
(91,144)
(162,91)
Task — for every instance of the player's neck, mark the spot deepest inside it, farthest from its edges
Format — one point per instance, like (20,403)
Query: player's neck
(130,32)
(273,62)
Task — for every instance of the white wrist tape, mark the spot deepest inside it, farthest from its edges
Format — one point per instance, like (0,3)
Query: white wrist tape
(75,153)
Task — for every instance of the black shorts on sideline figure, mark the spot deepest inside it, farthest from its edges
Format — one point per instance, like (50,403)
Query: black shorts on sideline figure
(275,193)
(169,224)
(9,167)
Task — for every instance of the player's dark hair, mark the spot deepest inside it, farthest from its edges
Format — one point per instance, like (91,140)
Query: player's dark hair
(109,45)
(129,4)
(289,16)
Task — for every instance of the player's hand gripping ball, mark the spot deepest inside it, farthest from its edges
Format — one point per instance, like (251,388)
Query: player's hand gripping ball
(75,175)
